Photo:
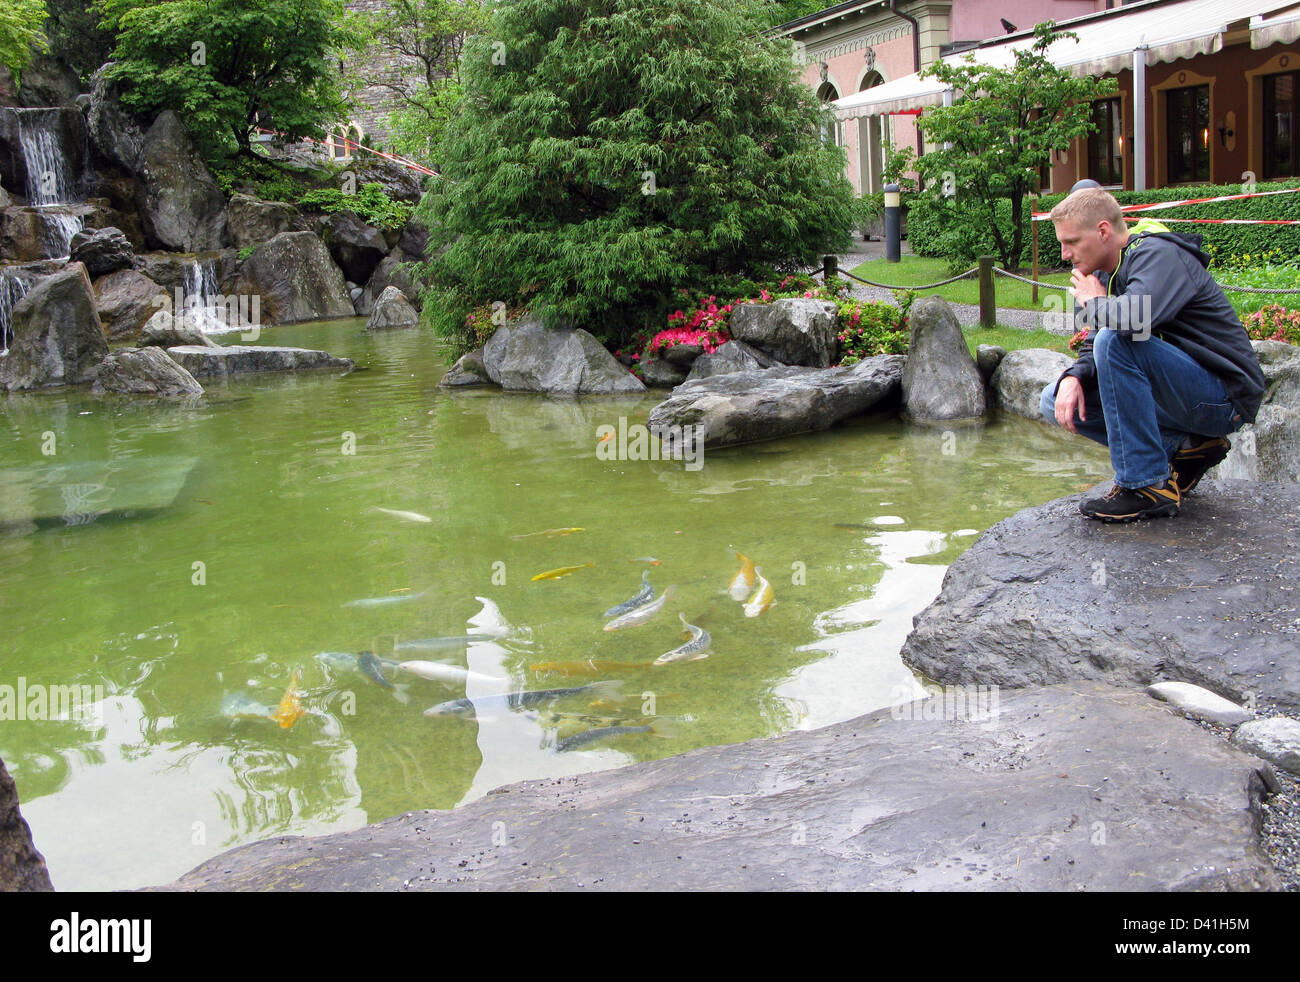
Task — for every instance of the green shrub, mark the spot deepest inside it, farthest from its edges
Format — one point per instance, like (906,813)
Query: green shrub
(371,204)
(871,327)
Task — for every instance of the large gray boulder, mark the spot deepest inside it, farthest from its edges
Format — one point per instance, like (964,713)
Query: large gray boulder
(127,301)
(1018,381)
(942,380)
(252,221)
(1269,449)
(1047,595)
(743,407)
(244,359)
(1075,787)
(114,133)
(57,337)
(296,279)
(794,331)
(392,311)
(102,250)
(145,370)
(22,867)
(179,202)
(357,247)
(734,356)
(660,373)
(530,357)
(166,331)
(393,270)
(1276,740)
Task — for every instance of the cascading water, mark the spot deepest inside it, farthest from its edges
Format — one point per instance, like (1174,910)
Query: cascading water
(12,289)
(49,183)
(204,307)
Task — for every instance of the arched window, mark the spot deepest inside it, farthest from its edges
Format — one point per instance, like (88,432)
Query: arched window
(827,92)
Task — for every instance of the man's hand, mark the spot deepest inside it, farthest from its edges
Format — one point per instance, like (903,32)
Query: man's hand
(1069,398)
(1084,288)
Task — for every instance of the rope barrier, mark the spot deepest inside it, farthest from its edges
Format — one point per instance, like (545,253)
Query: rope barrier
(1042,285)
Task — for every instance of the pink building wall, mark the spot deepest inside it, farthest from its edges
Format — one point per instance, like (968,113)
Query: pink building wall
(980,20)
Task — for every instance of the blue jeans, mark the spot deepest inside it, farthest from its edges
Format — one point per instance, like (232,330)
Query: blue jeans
(1152,397)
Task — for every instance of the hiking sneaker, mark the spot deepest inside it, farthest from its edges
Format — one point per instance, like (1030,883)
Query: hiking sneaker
(1129,504)
(1189,466)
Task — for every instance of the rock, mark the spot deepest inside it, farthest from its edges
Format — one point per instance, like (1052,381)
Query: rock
(252,221)
(166,331)
(355,293)
(987,358)
(99,215)
(734,356)
(243,359)
(115,134)
(392,311)
(66,129)
(1019,379)
(468,370)
(57,337)
(126,300)
(891,801)
(22,867)
(743,407)
(414,240)
(1269,449)
(941,380)
(145,370)
(6,199)
(529,357)
(357,247)
(794,331)
(1199,702)
(392,271)
(1047,595)
(1276,740)
(660,373)
(296,279)
(179,202)
(399,183)
(46,81)
(103,250)
(24,235)
(682,355)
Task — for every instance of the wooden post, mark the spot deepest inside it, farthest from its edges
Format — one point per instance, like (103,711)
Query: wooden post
(1034,239)
(831,267)
(988,299)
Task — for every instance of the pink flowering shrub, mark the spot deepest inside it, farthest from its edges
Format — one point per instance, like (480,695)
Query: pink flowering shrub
(1274,323)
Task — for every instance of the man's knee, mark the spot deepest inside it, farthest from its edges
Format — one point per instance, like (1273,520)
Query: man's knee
(1047,403)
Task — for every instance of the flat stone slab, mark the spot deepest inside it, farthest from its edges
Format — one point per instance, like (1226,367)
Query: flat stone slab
(243,359)
(1211,597)
(1075,787)
(59,494)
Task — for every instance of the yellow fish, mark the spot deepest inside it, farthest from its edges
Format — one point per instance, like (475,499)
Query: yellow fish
(549,533)
(290,709)
(743,582)
(555,574)
(762,598)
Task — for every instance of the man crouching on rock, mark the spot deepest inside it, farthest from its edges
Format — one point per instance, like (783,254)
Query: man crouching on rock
(1166,371)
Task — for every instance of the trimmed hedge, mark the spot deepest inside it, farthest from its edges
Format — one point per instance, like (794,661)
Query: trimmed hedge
(940,228)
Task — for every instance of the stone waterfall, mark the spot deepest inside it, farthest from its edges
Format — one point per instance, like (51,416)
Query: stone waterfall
(50,183)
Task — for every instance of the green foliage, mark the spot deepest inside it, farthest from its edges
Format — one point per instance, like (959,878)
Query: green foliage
(76,39)
(371,204)
(223,65)
(605,149)
(1262,276)
(1000,137)
(429,37)
(247,251)
(867,210)
(1274,323)
(873,327)
(958,230)
(21,23)
(784,11)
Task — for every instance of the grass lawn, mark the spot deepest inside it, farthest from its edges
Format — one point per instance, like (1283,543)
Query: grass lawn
(1013,339)
(917,269)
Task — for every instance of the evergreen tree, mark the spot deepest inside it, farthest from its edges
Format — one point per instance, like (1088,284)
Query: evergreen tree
(20,34)
(610,151)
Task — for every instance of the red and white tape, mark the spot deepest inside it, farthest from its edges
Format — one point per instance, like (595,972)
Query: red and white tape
(352,145)
(1039,216)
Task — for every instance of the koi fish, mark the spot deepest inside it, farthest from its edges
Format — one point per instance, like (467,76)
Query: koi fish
(643,597)
(762,598)
(548,533)
(435,672)
(641,614)
(743,582)
(555,574)
(658,728)
(290,709)
(385,601)
(521,700)
(437,644)
(649,560)
(238,705)
(693,650)
(406,516)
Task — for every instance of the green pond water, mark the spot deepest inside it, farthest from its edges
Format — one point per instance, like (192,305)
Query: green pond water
(179,554)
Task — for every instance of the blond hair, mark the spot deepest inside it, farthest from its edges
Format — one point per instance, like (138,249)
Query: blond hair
(1088,206)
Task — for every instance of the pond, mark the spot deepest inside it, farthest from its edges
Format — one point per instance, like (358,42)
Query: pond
(175,556)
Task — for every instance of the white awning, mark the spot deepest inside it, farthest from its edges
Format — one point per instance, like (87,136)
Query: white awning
(1105,46)
(1281,28)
